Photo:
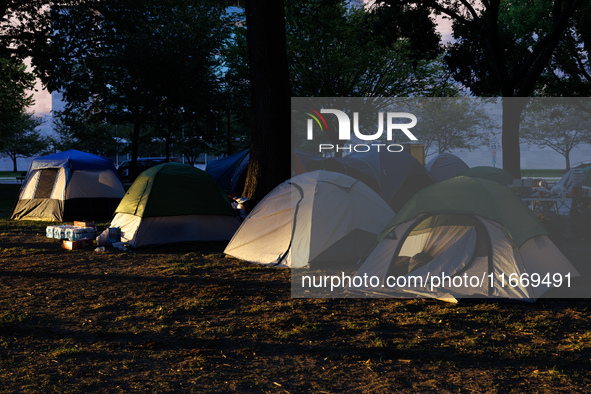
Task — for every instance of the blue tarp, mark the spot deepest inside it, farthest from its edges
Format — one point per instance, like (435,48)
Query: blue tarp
(230,172)
(74,160)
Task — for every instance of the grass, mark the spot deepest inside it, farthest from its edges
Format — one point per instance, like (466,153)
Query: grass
(11,174)
(68,352)
(187,319)
(11,318)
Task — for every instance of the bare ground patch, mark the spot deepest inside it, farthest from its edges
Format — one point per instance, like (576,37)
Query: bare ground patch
(185,318)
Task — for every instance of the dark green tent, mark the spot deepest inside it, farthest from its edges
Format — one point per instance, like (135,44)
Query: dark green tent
(475,196)
(474,232)
(194,192)
(174,202)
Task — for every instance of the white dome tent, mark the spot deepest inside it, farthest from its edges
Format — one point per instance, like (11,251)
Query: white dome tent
(315,218)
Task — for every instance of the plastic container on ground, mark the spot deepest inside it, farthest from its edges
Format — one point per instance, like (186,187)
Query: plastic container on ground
(77,233)
(59,232)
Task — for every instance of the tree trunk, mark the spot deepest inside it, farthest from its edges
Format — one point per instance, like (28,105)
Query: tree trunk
(567,158)
(135,143)
(168,139)
(521,83)
(228,132)
(270,158)
(14,164)
(512,109)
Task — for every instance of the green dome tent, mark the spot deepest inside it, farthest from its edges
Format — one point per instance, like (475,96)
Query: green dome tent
(465,227)
(172,203)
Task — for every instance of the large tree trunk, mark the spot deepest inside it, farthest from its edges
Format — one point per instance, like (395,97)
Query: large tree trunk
(512,109)
(521,84)
(270,158)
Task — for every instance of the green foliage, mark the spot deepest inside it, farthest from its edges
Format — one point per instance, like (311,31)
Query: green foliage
(561,127)
(452,123)
(569,73)
(502,47)
(338,51)
(153,64)
(24,24)
(99,138)
(15,82)
(234,92)
(21,138)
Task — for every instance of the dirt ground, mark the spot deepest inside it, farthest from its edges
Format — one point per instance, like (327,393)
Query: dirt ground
(187,319)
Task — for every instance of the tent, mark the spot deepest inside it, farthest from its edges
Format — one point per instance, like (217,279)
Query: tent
(230,172)
(171,203)
(395,176)
(305,162)
(318,218)
(491,173)
(70,185)
(464,228)
(445,166)
(586,176)
(583,172)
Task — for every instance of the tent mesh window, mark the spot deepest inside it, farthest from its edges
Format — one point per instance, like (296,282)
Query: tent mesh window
(46,182)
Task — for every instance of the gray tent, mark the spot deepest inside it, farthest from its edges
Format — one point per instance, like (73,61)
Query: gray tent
(445,166)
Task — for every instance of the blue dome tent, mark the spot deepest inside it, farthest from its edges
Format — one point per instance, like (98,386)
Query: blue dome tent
(230,172)
(70,185)
(396,177)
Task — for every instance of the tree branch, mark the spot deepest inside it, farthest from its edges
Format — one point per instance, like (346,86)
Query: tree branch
(471,9)
(535,64)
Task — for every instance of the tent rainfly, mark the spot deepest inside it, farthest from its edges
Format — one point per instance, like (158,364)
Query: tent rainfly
(580,174)
(445,166)
(315,219)
(396,177)
(464,228)
(172,203)
(230,172)
(70,185)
